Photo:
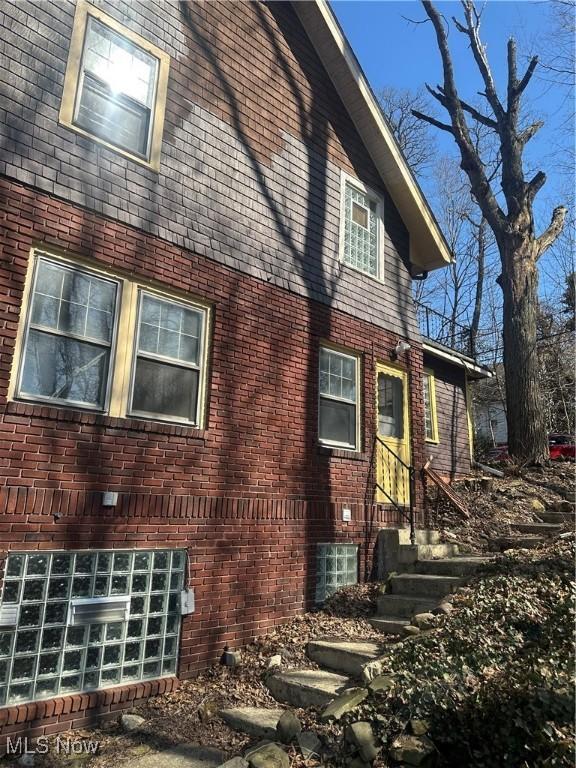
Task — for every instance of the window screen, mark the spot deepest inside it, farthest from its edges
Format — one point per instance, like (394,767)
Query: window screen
(69,335)
(338,398)
(44,655)
(336,566)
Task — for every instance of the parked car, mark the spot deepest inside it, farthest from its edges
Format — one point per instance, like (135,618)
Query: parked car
(561,446)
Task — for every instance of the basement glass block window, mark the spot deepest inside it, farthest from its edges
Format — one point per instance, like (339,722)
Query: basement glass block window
(362,216)
(62,642)
(336,566)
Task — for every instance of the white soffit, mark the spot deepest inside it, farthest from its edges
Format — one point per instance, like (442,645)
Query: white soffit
(428,248)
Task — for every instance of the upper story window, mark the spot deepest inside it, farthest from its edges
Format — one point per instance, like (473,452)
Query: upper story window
(77,345)
(430,417)
(115,86)
(338,418)
(362,228)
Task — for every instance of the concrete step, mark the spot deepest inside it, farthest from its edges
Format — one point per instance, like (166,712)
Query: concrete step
(408,554)
(342,656)
(389,626)
(546,529)
(452,566)
(517,542)
(403,606)
(307,687)
(254,721)
(559,518)
(422,536)
(424,585)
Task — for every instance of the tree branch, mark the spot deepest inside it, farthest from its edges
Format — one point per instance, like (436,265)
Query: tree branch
(525,136)
(471,162)
(527,76)
(441,97)
(554,229)
(471,31)
(433,121)
(535,185)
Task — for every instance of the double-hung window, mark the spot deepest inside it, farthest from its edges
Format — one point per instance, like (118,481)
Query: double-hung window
(430,416)
(70,334)
(72,331)
(115,86)
(167,359)
(361,242)
(338,399)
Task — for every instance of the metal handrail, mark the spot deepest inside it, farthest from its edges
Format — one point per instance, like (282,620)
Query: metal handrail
(445,330)
(409,470)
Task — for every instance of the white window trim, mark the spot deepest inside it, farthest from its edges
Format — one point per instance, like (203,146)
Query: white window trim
(356,357)
(347,179)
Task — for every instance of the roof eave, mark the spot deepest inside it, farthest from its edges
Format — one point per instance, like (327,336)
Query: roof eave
(428,248)
(472,368)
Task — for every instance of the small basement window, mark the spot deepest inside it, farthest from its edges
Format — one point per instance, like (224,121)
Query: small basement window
(86,620)
(336,566)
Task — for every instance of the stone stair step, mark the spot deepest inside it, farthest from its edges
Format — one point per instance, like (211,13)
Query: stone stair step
(424,585)
(422,536)
(518,542)
(254,721)
(307,687)
(551,516)
(408,554)
(547,529)
(389,626)
(342,656)
(403,606)
(452,566)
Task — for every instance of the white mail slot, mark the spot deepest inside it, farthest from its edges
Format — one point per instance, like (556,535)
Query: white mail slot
(98,610)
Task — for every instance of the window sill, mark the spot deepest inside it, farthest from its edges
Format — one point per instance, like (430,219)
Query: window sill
(430,441)
(342,453)
(76,416)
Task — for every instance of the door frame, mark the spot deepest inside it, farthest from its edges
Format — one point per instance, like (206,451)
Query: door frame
(404,375)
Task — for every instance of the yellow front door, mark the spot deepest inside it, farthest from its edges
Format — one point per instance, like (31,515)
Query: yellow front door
(393,431)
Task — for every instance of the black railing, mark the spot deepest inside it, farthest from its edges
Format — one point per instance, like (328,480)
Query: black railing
(395,480)
(444,330)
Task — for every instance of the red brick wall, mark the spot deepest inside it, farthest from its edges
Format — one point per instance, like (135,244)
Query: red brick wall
(250,496)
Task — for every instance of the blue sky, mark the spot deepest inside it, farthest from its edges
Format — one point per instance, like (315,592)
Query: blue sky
(394,52)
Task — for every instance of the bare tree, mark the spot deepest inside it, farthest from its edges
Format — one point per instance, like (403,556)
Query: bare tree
(514,231)
(414,137)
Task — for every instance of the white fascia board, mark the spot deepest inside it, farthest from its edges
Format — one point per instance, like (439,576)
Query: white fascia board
(473,369)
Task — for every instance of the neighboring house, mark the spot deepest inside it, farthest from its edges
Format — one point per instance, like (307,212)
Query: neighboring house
(490,422)
(211,361)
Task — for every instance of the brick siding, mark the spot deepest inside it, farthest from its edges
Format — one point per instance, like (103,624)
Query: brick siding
(249,496)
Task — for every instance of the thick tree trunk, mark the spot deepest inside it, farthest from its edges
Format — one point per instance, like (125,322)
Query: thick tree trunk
(527,439)
(481,256)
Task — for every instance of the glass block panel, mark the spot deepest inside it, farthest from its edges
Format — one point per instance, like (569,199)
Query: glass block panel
(336,566)
(15,566)
(361,223)
(45,657)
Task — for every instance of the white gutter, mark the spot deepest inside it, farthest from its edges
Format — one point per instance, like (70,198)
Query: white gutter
(461,362)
